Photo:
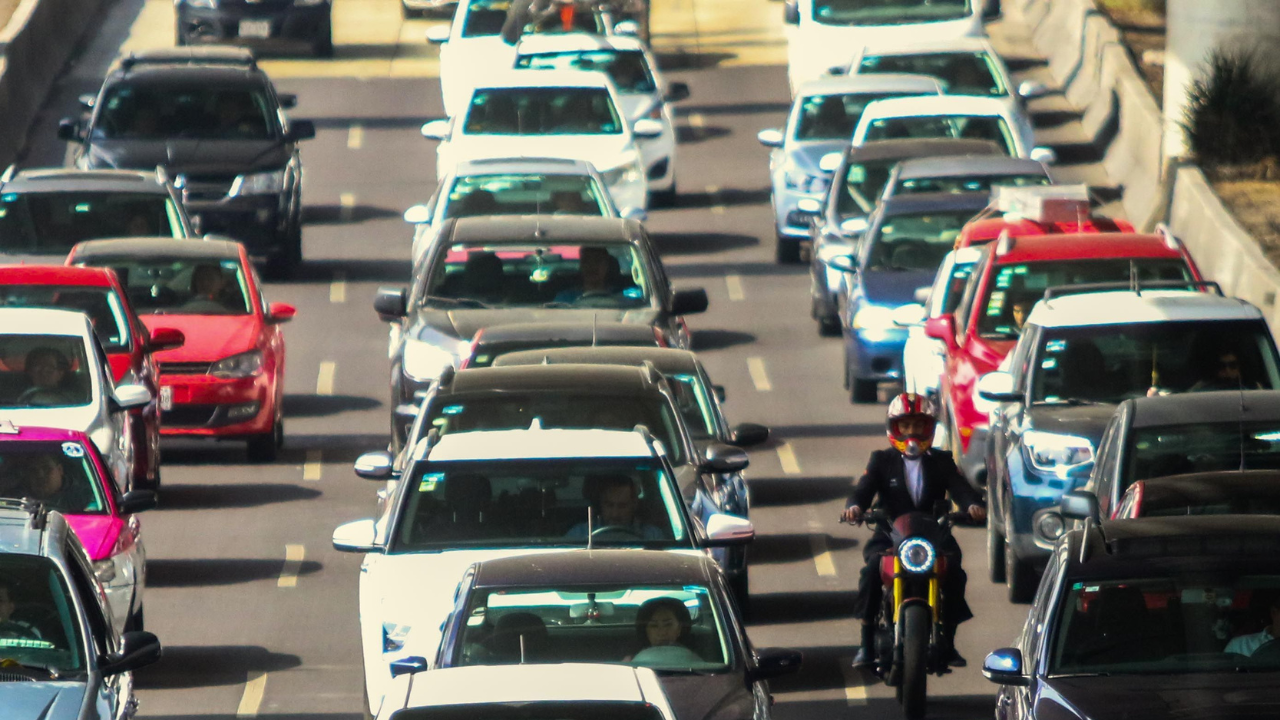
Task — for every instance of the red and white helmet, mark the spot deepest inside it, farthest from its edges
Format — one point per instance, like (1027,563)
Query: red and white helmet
(910,406)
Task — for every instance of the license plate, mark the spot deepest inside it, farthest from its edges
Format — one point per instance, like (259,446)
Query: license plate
(166,397)
(255,28)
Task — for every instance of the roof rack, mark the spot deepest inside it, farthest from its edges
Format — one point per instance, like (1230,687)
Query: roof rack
(208,55)
(1136,287)
(1044,204)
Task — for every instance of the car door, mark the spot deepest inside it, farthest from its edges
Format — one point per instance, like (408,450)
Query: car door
(121,457)
(1017,703)
(114,693)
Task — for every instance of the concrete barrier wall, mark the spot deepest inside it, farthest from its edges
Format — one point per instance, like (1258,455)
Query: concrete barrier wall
(34,46)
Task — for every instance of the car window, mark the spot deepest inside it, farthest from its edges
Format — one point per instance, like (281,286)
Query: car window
(980,127)
(101,304)
(976,278)
(835,116)
(888,12)
(539,503)
(60,475)
(39,626)
(182,286)
(918,241)
(863,184)
(197,111)
(1200,447)
(628,69)
(44,371)
(693,399)
(543,111)
(525,194)
(484,18)
(968,183)
(953,288)
(51,223)
(664,627)
(961,73)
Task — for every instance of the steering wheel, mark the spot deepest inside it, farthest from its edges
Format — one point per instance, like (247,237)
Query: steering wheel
(43,397)
(618,530)
(1269,652)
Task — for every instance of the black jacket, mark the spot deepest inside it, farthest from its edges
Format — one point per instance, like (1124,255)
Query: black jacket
(885,483)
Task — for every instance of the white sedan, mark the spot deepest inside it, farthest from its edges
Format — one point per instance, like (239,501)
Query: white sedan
(556,114)
(955,116)
(923,358)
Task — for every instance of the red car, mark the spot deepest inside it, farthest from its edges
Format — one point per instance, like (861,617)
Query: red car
(129,345)
(1009,278)
(1046,210)
(227,381)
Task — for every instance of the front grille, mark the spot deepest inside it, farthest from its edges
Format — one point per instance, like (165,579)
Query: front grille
(15,677)
(184,368)
(205,187)
(188,416)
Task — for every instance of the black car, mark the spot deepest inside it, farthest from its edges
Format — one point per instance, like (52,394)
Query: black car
(1233,492)
(524,269)
(496,341)
(1150,619)
(283,24)
(212,118)
(44,212)
(603,606)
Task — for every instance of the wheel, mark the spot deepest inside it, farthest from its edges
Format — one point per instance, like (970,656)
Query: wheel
(664,198)
(1019,577)
(916,621)
(863,391)
(323,47)
(996,552)
(828,326)
(787,252)
(265,448)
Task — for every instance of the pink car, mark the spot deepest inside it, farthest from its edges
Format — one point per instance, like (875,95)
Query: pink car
(63,470)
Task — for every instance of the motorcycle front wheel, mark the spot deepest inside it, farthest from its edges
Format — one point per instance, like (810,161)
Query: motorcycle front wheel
(917,621)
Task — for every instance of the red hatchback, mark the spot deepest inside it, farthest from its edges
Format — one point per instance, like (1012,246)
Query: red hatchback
(1009,278)
(129,345)
(227,381)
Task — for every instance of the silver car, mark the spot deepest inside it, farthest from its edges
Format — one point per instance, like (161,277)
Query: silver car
(964,174)
(822,120)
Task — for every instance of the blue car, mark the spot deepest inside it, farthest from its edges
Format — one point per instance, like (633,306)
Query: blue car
(906,241)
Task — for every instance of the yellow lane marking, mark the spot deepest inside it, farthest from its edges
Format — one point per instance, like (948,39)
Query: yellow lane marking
(355,136)
(734,284)
(697,120)
(293,555)
(822,560)
(346,206)
(787,459)
(251,700)
(759,376)
(313,467)
(338,288)
(324,381)
(855,691)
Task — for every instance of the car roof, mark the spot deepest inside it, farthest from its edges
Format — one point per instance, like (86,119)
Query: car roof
(950,166)
(935,105)
(538,444)
(1197,408)
(869,83)
(1134,547)
(73,180)
(156,247)
(546,43)
(605,379)
(214,63)
(42,321)
(56,275)
(903,149)
(541,230)
(667,361)
(593,567)
(11,433)
(914,203)
(501,166)
(1083,246)
(1117,307)
(567,682)
(1209,486)
(580,331)
(544,78)
(927,47)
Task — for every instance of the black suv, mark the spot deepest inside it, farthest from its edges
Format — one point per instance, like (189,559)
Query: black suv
(213,119)
(283,24)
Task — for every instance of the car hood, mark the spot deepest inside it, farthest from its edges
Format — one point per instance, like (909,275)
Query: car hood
(1086,421)
(463,324)
(806,155)
(196,157)
(98,533)
(1166,697)
(604,151)
(708,697)
(893,288)
(209,337)
(42,700)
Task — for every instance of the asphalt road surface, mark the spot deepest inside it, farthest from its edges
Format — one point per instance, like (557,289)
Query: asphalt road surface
(257,612)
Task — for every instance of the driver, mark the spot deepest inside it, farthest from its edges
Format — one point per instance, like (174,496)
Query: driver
(910,477)
(594,265)
(46,368)
(1247,645)
(616,505)
(208,283)
(9,627)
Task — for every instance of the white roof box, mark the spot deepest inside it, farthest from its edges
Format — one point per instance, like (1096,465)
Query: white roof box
(1043,204)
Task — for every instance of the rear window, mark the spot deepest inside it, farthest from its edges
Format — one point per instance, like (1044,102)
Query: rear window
(51,223)
(543,111)
(526,194)
(980,127)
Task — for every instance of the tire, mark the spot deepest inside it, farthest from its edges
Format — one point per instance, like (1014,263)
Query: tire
(787,252)
(863,392)
(1020,579)
(265,448)
(916,621)
(664,198)
(828,326)
(996,552)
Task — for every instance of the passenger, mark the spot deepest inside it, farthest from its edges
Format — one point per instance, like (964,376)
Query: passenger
(237,116)
(483,278)
(1019,312)
(568,202)
(46,368)
(665,630)
(11,627)
(1220,370)
(476,203)
(594,266)
(1247,645)
(616,504)
(832,120)
(44,479)
(208,283)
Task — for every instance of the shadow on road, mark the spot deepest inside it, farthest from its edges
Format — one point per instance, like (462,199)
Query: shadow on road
(720,269)
(782,549)
(789,491)
(230,495)
(720,339)
(697,243)
(187,666)
(298,406)
(337,215)
(217,571)
(786,432)
(387,271)
(800,607)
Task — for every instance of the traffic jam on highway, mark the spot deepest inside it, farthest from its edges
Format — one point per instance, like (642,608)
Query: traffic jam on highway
(559,525)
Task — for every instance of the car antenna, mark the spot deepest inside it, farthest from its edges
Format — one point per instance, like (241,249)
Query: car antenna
(594,317)
(589,528)
(1240,381)
(522,648)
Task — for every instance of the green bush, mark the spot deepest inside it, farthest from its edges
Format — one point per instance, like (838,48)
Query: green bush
(1233,116)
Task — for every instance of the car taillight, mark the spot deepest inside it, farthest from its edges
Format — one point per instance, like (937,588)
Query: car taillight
(662,339)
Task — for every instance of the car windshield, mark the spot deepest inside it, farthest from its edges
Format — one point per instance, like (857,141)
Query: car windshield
(1111,363)
(626,68)
(961,73)
(628,502)
(515,410)
(569,276)
(569,710)
(1188,624)
(198,111)
(1200,447)
(888,12)
(916,241)
(967,183)
(543,111)
(695,404)
(101,304)
(44,371)
(1014,288)
(525,194)
(485,18)
(52,222)
(835,116)
(59,474)
(182,286)
(671,628)
(969,127)
(39,630)
(862,187)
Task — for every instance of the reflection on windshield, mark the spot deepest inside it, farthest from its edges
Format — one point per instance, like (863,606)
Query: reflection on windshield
(626,68)
(44,371)
(59,475)
(863,184)
(888,12)
(961,73)
(916,242)
(38,630)
(182,286)
(968,184)
(525,194)
(981,127)
(834,117)
(155,112)
(543,111)
(100,304)
(1181,449)
(51,223)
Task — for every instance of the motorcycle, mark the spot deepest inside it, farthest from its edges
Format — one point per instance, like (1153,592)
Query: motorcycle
(910,625)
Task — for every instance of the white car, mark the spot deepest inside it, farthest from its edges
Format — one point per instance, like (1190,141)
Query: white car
(474,496)
(826,31)
(923,358)
(956,116)
(642,92)
(560,114)
(55,375)
(509,692)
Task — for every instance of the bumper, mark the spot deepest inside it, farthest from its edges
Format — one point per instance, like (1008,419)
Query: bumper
(256,24)
(205,406)
(876,354)
(788,223)
(659,158)
(258,221)
(1028,499)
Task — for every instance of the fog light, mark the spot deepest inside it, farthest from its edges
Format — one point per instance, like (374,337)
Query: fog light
(1050,526)
(242,412)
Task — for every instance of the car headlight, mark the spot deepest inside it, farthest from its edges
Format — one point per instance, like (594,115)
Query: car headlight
(105,571)
(1050,526)
(394,636)
(874,318)
(917,555)
(424,362)
(246,364)
(626,173)
(796,179)
(267,183)
(1054,453)
(202,3)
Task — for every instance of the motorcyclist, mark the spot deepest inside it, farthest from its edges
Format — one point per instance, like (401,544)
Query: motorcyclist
(910,477)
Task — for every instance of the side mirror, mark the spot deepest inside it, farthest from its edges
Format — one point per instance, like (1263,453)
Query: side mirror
(775,662)
(677,91)
(629,28)
(843,263)
(1031,89)
(748,435)
(438,35)
(720,458)
(689,302)
(391,303)
(288,101)
(377,465)
(137,649)
(632,213)
(128,397)
(770,137)
(908,315)
(136,501)
(356,537)
(1080,505)
(791,13)
(1044,155)
(301,130)
(87,101)
(647,128)
(69,130)
(418,215)
(166,339)
(922,294)
(853,227)
(725,530)
(830,162)
(278,312)
(997,387)
(1004,667)
(436,130)
(942,328)
(409,666)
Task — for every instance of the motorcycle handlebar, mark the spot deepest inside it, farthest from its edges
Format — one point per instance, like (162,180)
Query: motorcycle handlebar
(880,517)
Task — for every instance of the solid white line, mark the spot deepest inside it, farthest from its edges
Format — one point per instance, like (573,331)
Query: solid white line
(338,289)
(347,206)
(759,376)
(324,381)
(787,459)
(855,691)
(252,698)
(313,466)
(355,137)
(293,555)
(734,284)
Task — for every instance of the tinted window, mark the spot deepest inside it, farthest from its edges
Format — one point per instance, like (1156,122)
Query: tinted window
(197,111)
(968,183)
(695,404)
(182,286)
(50,223)
(862,187)
(485,18)
(953,289)
(888,12)
(834,117)
(626,68)
(961,73)
(60,475)
(981,127)
(1202,447)
(44,371)
(543,111)
(916,242)
(101,305)
(525,194)
(39,628)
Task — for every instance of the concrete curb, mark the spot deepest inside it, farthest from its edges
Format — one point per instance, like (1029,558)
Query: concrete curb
(34,47)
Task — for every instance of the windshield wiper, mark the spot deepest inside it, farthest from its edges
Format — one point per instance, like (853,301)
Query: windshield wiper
(455,302)
(1073,402)
(53,672)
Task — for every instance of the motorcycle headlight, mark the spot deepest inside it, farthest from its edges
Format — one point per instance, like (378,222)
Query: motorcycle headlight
(105,571)
(202,3)
(424,362)
(917,555)
(394,636)
(267,183)
(1054,453)
(246,364)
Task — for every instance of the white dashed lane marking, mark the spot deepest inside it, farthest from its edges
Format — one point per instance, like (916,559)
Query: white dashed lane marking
(759,376)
